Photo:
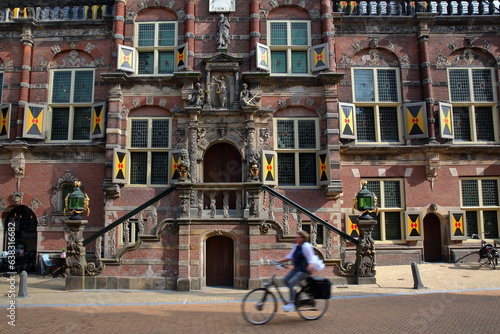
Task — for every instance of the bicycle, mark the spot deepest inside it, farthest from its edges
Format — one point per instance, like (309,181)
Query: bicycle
(487,252)
(260,305)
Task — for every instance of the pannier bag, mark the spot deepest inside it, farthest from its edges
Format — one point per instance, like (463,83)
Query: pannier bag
(320,287)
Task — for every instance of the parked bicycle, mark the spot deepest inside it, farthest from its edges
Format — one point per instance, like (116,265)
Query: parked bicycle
(260,305)
(487,252)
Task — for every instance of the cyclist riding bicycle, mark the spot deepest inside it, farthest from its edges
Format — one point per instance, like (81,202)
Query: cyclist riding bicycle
(302,256)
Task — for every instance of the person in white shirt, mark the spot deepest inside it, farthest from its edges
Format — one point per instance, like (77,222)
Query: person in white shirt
(302,256)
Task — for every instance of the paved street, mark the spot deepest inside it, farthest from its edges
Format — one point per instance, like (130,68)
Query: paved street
(390,306)
(472,312)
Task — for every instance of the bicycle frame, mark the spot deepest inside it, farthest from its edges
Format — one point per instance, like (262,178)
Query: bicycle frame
(267,286)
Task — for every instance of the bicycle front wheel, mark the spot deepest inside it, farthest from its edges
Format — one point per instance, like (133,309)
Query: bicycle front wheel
(310,308)
(259,306)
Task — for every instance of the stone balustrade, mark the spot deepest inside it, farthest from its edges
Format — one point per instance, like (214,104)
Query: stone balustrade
(408,8)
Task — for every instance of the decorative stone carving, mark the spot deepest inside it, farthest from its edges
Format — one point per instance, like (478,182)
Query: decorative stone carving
(282,103)
(17,198)
(130,15)
(264,227)
(372,58)
(432,166)
(356,46)
(391,46)
(35,204)
(43,221)
(443,61)
(18,164)
(253,167)
(374,42)
(3,206)
(76,262)
(452,46)
(55,49)
(346,60)
(263,135)
(404,60)
(184,165)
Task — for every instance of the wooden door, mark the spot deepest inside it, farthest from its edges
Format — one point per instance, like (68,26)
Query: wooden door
(432,239)
(222,163)
(219,262)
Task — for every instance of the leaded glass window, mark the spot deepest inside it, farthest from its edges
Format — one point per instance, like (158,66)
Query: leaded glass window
(155,46)
(474,100)
(297,145)
(377,98)
(149,144)
(480,199)
(390,204)
(289,42)
(71,104)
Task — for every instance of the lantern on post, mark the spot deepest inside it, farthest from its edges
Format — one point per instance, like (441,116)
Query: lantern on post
(76,203)
(365,201)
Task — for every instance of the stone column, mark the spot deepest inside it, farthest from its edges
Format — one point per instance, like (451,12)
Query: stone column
(27,40)
(193,142)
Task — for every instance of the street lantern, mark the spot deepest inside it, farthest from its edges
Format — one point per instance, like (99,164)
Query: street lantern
(365,201)
(76,202)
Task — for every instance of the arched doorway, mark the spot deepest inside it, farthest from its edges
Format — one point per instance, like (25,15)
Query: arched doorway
(219,261)
(222,163)
(432,239)
(24,222)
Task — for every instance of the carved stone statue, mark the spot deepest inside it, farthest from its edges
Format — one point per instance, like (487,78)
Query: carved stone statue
(195,99)
(247,99)
(223,32)
(222,91)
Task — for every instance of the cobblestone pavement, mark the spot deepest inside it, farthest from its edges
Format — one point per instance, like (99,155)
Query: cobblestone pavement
(458,299)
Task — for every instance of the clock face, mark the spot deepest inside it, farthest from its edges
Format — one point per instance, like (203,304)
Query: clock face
(222,6)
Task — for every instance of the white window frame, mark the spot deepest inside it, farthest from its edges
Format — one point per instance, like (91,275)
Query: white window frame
(472,104)
(297,150)
(481,208)
(71,105)
(149,150)
(382,210)
(289,48)
(155,49)
(376,104)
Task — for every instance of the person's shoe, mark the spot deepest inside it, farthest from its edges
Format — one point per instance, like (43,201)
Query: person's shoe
(288,307)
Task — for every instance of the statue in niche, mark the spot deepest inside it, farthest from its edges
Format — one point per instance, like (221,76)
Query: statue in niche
(223,32)
(247,99)
(222,91)
(195,99)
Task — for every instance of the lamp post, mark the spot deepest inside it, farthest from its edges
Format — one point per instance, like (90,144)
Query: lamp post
(366,202)
(76,263)
(76,202)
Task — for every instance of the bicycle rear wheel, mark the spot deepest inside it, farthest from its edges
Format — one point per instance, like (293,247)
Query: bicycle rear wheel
(259,306)
(310,308)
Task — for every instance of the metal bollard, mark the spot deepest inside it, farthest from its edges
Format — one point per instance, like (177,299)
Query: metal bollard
(23,285)
(417,282)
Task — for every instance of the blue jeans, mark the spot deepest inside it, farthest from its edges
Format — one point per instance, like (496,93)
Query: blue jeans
(291,280)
